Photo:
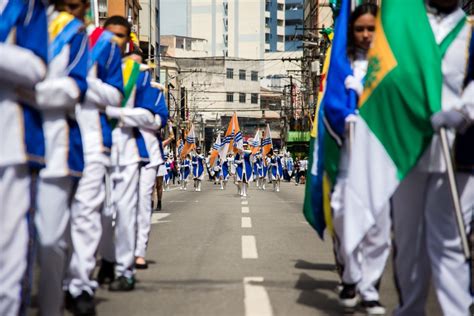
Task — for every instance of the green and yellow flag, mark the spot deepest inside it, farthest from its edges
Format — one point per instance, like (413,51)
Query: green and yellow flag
(402,91)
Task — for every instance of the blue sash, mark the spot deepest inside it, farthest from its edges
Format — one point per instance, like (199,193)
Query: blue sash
(142,151)
(63,38)
(76,153)
(9,17)
(102,43)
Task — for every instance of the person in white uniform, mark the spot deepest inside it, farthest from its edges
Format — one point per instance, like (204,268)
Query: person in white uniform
(105,87)
(148,174)
(64,87)
(128,151)
(197,162)
(23,64)
(426,238)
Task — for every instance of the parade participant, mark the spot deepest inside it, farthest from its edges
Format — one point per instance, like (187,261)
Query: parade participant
(184,170)
(24,56)
(149,173)
(289,166)
(262,172)
(225,172)
(167,176)
(243,170)
(258,170)
(160,175)
(65,86)
(217,169)
(105,87)
(198,169)
(138,111)
(426,236)
(276,170)
(363,268)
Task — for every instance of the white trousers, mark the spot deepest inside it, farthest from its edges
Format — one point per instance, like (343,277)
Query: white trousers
(145,191)
(52,224)
(15,201)
(86,228)
(118,242)
(365,265)
(428,245)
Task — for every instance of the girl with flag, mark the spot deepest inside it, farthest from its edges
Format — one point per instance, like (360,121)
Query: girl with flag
(276,170)
(184,170)
(243,170)
(167,177)
(362,268)
(198,169)
(225,171)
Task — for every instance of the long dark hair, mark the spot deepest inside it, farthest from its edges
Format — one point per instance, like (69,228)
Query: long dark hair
(366,8)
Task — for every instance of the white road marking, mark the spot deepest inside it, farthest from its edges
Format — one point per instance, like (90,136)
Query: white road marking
(256,300)
(155,218)
(172,189)
(245,202)
(246,222)
(249,247)
(245,209)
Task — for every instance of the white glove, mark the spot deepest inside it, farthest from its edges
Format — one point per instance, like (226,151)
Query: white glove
(450,119)
(113,112)
(352,83)
(350,119)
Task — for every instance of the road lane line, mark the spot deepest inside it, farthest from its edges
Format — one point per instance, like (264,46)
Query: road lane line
(156,218)
(256,300)
(245,209)
(245,202)
(249,247)
(246,222)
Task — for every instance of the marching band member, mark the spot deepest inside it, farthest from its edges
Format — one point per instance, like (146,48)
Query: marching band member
(149,174)
(184,170)
(139,110)
(105,87)
(64,87)
(24,56)
(243,170)
(197,162)
(276,170)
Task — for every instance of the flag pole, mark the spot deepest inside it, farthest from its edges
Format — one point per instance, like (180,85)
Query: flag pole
(454,193)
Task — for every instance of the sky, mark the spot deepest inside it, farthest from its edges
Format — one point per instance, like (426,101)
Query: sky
(173,17)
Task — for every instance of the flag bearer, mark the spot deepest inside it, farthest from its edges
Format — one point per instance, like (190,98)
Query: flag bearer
(197,162)
(426,236)
(105,87)
(276,171)
(243,170)
(184,169)
(363,268)
(23,64)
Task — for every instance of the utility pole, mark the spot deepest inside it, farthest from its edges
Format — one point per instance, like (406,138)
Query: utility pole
(292,113)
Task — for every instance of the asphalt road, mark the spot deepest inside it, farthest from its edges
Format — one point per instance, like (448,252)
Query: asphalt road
(214,253)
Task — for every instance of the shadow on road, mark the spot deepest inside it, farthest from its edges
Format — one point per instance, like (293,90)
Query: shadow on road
(316,293)
(306,265)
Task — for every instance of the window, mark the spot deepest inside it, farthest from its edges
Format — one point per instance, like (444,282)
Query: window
(281,6)
(267,38)
(242,74)
(281,38)
(254,98)
(280,22)
(242,97)
(230,97)
(230,73)
(254,76)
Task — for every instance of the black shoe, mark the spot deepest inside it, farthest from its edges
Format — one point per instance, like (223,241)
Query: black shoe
(122,284)
(141,266)
(106,273)
(373,307)
(83,305)
(348,295)
(68,301)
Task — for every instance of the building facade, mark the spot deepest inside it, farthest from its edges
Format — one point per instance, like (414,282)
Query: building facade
(294,30)
(232,28)
(274,26)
